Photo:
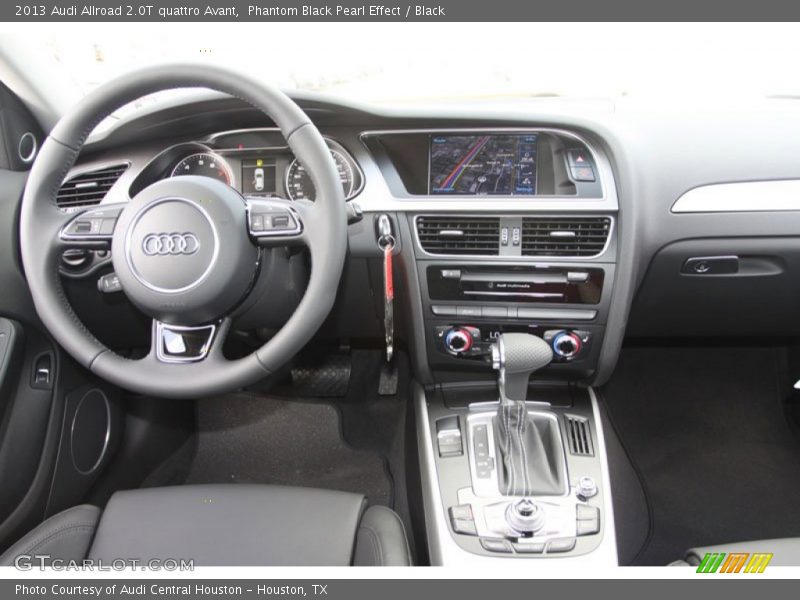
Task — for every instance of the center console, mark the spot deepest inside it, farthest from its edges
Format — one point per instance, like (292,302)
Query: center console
(513,237)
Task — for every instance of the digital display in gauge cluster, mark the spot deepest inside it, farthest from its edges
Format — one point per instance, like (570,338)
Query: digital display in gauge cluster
(259,177)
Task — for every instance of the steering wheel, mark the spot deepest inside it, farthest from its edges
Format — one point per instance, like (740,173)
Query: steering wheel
(186,250)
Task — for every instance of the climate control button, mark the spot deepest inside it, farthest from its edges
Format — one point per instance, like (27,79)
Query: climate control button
(458,340)
(567,344)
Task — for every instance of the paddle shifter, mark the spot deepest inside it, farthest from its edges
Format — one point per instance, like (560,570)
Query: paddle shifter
(529,446)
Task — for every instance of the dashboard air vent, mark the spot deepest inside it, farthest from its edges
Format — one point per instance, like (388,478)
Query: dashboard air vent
(459,235)
(579,436)
(564,236)
(88,189)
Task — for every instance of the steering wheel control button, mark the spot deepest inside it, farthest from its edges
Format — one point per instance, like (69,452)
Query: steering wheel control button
(271,218)
(496,545)
(109,284)
(183,344)
(92,225)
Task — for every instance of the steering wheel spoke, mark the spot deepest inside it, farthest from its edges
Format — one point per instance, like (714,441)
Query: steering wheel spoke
(180,344)
(92,228)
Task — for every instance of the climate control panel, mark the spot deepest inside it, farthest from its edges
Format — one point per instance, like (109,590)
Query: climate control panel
(472,342)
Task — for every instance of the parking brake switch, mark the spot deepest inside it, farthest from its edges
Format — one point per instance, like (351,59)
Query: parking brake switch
(448,437)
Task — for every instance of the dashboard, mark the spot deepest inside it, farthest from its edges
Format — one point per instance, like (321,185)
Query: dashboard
(513,218)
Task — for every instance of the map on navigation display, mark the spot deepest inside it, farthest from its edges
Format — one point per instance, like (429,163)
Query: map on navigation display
(483,164)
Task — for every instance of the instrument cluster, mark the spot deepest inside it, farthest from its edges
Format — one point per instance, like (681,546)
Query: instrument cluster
(257,163)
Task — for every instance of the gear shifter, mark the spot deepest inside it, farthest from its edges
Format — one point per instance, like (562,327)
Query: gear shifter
(517,356)
(528,446)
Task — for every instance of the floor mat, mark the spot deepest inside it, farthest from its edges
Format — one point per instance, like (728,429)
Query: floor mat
(250,438)
(707,431)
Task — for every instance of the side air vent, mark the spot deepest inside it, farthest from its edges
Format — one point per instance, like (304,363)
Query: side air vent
(564,236)
(88,189)
(459,235)
(579,436)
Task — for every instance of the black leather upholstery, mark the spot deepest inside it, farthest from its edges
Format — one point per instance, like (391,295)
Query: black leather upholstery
(65,536)
(221,525)
(785,551)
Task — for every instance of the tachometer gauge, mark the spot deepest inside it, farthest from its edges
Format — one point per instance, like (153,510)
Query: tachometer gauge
(300,187)
(205,164)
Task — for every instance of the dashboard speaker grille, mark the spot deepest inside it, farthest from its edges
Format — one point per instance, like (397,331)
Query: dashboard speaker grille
(88,189)
(564,236)
(459,235)
(579,436)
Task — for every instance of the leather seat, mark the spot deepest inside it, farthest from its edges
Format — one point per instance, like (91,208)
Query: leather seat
(224,525)
(785,551)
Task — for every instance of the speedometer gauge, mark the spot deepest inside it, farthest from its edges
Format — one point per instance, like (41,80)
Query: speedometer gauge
(205,164)
(300,187)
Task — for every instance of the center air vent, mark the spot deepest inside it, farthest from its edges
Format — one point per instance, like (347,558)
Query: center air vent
(579,437)
(564,236)
(89,188)
(459,235)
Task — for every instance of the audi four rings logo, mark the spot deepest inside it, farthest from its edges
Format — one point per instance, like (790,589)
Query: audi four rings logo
(170,244)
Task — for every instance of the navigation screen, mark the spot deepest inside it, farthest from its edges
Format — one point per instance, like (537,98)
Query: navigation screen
(483,164)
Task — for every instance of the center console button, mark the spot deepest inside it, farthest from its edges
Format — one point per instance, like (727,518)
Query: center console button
(587,488)
(584,512)
(494,545)
(561,545)
(494,312)
(442,310)
(468,311)
(461,519)
(588,527)
(525,516)
(529,548)
(588,519)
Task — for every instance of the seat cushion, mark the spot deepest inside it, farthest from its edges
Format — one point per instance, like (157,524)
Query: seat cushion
(233,524)
(224,525)
(785,551)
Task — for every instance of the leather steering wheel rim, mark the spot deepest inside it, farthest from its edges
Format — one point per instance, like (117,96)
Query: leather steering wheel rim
(41,223)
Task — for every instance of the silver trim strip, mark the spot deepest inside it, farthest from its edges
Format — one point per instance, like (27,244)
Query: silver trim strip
(27,158)
(165,358)
(543,257)
(743,196)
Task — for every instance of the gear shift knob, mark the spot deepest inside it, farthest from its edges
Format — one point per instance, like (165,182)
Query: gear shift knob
(517,356)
